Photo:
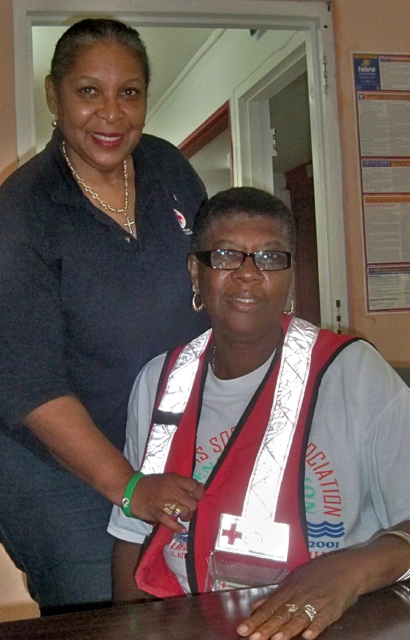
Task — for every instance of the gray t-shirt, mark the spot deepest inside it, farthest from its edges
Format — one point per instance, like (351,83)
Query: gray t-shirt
(357,470)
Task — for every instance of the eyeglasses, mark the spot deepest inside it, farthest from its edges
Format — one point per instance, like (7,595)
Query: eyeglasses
(230,259)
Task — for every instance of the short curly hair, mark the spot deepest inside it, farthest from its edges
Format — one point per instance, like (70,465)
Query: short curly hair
(239,200)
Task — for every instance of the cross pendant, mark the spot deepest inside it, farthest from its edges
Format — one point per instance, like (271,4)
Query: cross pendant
(129,224)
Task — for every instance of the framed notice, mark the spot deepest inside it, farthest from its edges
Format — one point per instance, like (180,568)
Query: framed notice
(382,85)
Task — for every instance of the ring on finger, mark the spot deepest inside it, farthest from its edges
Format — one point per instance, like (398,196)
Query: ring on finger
(292,608)
(310,611)
(172,508)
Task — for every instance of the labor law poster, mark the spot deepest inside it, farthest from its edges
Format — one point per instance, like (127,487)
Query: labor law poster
(382,86)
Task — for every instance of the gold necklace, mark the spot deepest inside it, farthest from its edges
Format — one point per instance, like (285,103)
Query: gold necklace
(95,195)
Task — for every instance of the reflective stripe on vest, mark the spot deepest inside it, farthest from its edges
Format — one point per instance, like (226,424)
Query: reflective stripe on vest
(264,486)
(174,400)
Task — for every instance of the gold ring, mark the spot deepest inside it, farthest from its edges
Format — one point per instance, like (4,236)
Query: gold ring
(172,508)
(310,611)
(292,608)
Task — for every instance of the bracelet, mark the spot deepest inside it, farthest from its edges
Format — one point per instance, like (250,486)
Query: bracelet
(129,490)
(404,536)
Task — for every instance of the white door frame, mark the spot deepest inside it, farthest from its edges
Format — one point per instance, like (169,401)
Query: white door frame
(252,144)
(250,117)
(313,18)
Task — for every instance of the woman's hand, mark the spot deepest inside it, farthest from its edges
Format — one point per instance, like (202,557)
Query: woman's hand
(154,492)
(316,594)
(329,584)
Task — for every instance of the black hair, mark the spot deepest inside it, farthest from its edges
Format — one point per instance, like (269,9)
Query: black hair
(242,200)
(91,31)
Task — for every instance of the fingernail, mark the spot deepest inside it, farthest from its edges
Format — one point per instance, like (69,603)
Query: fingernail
(242,629)
(277,636)
(255,636)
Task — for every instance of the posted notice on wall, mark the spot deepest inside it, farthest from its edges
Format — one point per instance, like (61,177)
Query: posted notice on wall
(382,85)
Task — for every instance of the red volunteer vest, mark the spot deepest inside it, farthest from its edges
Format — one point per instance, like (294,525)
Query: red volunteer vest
(226,487)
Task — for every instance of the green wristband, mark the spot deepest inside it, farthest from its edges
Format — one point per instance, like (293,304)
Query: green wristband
(129,490)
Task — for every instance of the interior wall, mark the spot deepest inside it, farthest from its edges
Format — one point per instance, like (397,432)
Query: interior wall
(213,164)
(15,602)
(380,27)
(8,155)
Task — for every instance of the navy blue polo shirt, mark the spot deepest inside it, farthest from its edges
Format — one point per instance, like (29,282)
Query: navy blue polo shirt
(83,305)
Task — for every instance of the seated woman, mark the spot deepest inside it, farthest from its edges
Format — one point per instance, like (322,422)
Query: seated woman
(292,443)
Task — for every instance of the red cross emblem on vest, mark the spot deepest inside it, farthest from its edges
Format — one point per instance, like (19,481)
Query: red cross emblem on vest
(232,534)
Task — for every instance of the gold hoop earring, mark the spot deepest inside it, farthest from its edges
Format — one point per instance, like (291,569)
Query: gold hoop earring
(196,307)
(54,121)
(292,308)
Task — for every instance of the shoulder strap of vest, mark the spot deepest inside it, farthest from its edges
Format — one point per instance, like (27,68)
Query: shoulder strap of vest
(165,417)
(174,389)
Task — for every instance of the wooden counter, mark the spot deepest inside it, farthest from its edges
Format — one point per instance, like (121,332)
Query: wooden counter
(383,615)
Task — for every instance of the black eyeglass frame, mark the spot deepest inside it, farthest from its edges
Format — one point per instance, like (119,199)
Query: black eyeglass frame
(205,258)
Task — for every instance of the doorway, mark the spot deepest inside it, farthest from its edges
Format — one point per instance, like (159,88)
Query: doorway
(293,182)
(299,183)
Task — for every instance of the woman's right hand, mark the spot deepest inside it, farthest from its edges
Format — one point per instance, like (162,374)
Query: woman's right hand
(155,491)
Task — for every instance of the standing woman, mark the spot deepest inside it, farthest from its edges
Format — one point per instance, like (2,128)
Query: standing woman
(94,233)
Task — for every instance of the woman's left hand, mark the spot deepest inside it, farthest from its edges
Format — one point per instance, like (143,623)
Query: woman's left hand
(325,588)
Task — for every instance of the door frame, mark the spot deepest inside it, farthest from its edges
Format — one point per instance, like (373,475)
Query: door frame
(206,132)
(252,160)
(314,18)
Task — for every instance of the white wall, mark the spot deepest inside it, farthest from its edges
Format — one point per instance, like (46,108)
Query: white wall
(213,164)
(210,80)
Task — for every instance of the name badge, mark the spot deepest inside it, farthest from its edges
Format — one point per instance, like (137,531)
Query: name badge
(238,534)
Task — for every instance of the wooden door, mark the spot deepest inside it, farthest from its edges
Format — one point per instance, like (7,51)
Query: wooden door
(299,182)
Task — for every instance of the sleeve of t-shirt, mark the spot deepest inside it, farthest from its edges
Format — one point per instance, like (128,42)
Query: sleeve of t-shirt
(375,404)
(140,409)
(388,445)
(32,367)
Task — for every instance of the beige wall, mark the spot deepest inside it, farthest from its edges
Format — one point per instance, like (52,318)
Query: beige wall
(8,152)
(363,26)
(15,602)
(360,25)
